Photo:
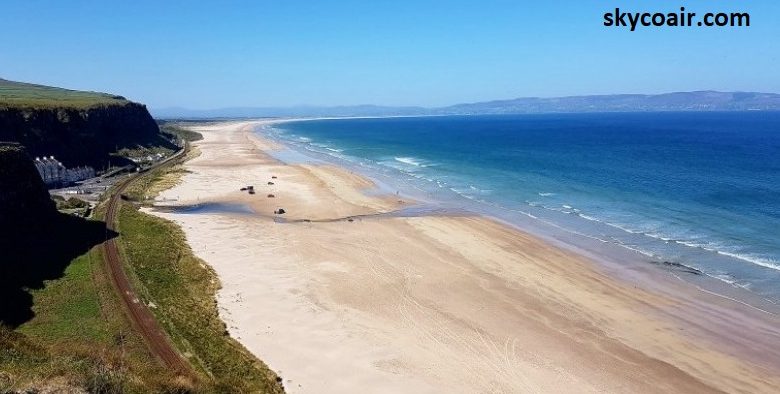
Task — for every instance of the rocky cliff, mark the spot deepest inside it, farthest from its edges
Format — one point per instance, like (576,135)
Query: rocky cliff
(77,127)
(36,241)
(80,136)
(23,196)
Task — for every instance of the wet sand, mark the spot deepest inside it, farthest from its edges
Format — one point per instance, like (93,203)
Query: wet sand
(442,304)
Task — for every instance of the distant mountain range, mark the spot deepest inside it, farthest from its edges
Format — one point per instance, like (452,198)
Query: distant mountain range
(679,101)
(261,112)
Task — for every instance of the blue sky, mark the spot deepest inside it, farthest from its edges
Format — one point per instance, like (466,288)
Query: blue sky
(281,53)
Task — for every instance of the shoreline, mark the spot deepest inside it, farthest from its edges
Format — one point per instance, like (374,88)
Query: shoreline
(559,230)
(620,257)
(477,306)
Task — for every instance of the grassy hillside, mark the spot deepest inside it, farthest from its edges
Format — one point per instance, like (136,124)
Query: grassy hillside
(177,131)
(78,128)
(62,328)
(27,95)
(79,339)
(182,289)
(72,333)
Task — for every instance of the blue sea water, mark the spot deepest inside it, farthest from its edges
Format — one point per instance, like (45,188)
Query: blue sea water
(700,189)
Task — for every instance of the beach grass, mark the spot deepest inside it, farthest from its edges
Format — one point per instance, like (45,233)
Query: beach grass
(180,289)
(148,186)
(81,339)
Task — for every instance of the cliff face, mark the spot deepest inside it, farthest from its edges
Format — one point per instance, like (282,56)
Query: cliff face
(80,136)
(36,241)
(79,128)
(23,196)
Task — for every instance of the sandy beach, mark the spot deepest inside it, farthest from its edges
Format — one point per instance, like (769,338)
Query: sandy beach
(339,301)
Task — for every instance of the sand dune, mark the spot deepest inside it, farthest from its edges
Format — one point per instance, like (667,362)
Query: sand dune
(442,304)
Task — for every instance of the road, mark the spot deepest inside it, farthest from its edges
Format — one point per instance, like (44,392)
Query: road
(138,312)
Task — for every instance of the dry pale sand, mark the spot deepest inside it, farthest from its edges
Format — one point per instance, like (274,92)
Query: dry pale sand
(442,304)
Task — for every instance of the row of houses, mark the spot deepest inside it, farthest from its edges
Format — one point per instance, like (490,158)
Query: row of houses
(147,159)
(53,172)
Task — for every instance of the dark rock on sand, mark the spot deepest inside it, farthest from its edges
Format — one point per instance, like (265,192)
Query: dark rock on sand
(677,267)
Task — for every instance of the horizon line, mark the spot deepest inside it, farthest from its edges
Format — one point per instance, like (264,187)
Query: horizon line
(412,106)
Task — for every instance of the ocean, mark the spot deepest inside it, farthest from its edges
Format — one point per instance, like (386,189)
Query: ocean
(698,189)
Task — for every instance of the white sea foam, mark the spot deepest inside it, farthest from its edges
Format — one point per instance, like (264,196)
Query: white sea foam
(326,147)
(692,242)
(764,262)
(670,233)
(598,220)
(660,236)
(695,242)
(462,193)
(724,278)
(410,160)
(638,250)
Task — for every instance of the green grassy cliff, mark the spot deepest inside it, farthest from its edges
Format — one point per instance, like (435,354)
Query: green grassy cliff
(78,128)
(28,95)
(63,328)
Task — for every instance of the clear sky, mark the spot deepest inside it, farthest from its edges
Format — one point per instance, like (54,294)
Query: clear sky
(199,54)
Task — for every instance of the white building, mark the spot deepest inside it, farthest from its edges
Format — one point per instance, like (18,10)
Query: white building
(53,172)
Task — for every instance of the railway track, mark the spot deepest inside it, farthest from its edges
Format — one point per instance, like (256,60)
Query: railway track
(139,314)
